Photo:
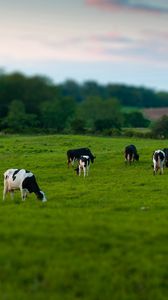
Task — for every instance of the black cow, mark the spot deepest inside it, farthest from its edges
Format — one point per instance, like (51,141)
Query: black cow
(165,150)
(75,154)
(131,154)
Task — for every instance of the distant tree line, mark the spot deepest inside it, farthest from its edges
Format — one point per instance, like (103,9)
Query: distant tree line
(29,104)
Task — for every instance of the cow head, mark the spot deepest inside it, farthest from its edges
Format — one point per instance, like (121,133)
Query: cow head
(136,156)
(92,159)
(41,196)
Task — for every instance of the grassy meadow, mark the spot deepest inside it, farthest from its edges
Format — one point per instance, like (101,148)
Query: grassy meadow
(102,237)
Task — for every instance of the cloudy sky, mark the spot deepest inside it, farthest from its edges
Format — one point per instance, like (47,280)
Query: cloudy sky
(108,41)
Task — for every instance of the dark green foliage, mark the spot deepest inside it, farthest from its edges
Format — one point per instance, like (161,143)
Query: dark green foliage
(100,125)
(99,113)
(17,120)
(51,107)
(163,97)
(160,128)
(135,119)
(135,96)
(31,91)
(55,114)
(78,125)
(71,89)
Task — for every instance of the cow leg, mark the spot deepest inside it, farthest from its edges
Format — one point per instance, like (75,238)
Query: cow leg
(69,162)
(126,158)
(154,168)
(5,192)
(129,158)
(23,194)
(12,194)
(87,170)
(73,162)
(84,171)
(154,171)
(161,170)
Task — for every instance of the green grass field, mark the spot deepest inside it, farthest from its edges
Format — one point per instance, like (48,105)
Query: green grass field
(103,237)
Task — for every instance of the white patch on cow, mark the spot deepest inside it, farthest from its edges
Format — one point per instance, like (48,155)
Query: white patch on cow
(44,197)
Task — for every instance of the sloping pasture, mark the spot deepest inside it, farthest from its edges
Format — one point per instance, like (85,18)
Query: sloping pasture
(99,238)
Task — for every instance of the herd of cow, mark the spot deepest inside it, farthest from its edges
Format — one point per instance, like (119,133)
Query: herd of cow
(25,181)
(84,156)
(159,158)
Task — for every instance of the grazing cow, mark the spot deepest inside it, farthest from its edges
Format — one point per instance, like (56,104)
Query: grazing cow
(131,154)
(75,154)
(25,181)
(158,161)
(165,150)
(84,164)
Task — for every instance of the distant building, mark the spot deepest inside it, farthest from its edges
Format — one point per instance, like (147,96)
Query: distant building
(154,114)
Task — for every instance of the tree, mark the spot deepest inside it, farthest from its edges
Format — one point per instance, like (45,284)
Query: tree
(94,109)
(71,89)
(102,124)
(160,128)
(77,125)
(55,114)
(135,119)
(93,89)
(17,120)
(32,91)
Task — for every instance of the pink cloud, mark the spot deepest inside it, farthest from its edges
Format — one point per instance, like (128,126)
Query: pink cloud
(139,5)
(103,4)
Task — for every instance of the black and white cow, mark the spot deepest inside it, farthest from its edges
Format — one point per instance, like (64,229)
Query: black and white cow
(75,154)
(165,150)
(131,154)
(158,161)
(25,181)
(84,164)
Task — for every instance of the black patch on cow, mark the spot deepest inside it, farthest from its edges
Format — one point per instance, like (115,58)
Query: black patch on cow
(156,156)
(159,154)
(14,174)
(30,184)
(165,150)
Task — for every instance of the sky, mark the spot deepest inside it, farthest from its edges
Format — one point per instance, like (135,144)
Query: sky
(107,41)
